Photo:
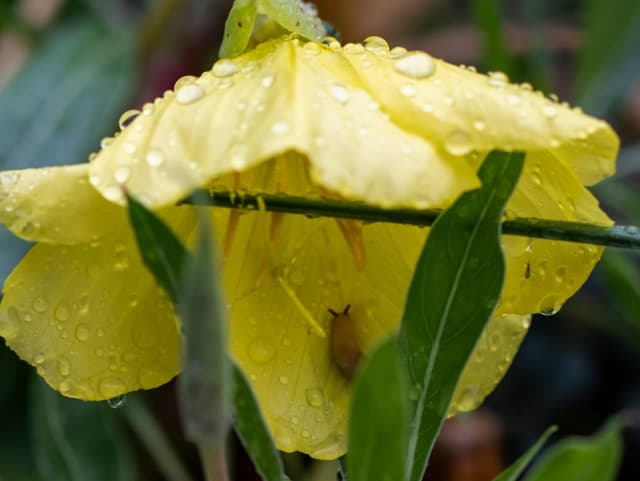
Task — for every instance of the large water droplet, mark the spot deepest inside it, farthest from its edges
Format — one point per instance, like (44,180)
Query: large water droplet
(415,65)
(267,81)
(549,306)
(189,93)
(117,402)
(225,68)
(82,332)
(314,397)
(40,304)
(127,117)
(458,143)
(353,48)
(261,350)
(376,45)
(38,359)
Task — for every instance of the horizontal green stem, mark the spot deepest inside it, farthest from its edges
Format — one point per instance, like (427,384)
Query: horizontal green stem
(627,237)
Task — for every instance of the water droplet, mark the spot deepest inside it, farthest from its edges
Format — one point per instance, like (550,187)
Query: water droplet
(314,397)
(353,48)
(117,402)
(38,358)
(498,79)
(189,93)
(549,306)
(155,157)
(148,109)
(261,350)
(267,81)
(64,366)
(62,312)
(331,42)
(127,117)
(225,68)
(514,99)
(113,194)
(306,434)
(376,45)
(284,380)
(554,143)
(106,142)
(121,175)
(458,143)
(82,332)
(398,52)
(549,111)
(632,229)
(416,65)
(479,125)
(408,90)
(63,386)
(526,321)
(281,127)
(110,387)
(40,304)
(340,93)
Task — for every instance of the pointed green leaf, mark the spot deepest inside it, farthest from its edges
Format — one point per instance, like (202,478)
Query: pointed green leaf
(379,418)
(77,441)
(160,249)
(203,386)
(513,472)
(252,430)
(582,459)
(454,291)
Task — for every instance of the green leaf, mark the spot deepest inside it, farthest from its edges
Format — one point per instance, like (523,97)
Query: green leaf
(160,249)
(77,441)
(515,470)
(252,430)
(379,418)
(454,291)
(238,28)
(487,16)
(204,385)
(609,63)
(67,97)
(582,459)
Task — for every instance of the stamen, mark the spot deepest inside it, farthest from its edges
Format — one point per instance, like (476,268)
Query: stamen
(352,232)
(303,310)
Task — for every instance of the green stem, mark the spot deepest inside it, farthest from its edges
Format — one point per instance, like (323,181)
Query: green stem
(627,237)
(214,461)
(153,438)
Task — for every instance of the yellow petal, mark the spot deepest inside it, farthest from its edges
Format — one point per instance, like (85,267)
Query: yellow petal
(282,96)
(90,317)
(55,205)
(461,111)
(542,274)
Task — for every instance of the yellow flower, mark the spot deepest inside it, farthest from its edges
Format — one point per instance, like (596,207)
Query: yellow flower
(359,121)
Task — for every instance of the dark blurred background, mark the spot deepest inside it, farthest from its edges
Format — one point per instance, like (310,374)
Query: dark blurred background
(68,68)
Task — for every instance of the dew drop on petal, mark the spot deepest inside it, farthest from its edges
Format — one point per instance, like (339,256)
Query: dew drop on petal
(549,306)
(267,81)
(314,397)
(189,93)
(154,157)
(479,125)
(225,68)
(408,90)
(458,143)
(340,93)
(117,401)
(64,366)
(40,304)
(261,350)
(82,332)
(62,312)
(39,359)
(280,127)
(469,398)
(127,117)
(416,65)
(376,45)
(121,174)
(284,380)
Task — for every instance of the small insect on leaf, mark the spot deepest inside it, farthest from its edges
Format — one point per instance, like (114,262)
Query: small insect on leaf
(344,343)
